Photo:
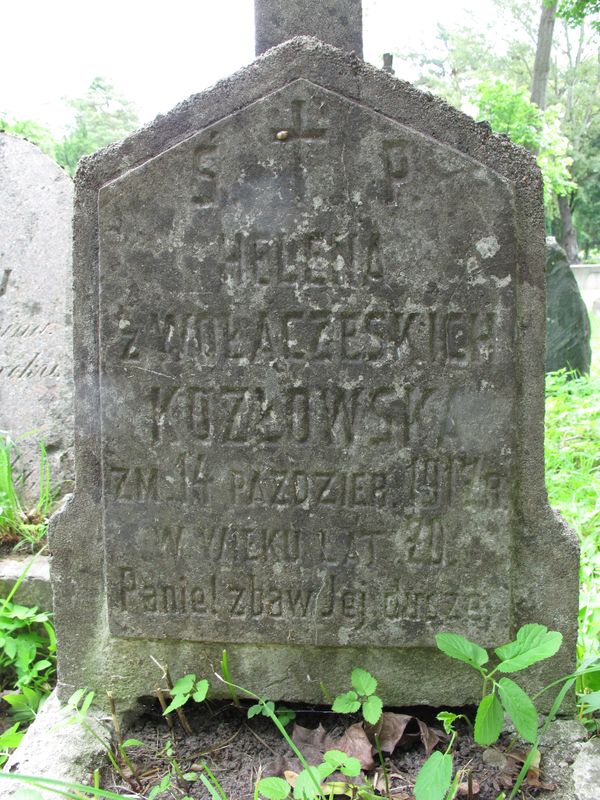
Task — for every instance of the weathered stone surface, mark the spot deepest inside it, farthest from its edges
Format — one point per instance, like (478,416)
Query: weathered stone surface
(35,588)
(567,321)
(52,750)
(36,386)
(337,22)
(316,299)
(570,761)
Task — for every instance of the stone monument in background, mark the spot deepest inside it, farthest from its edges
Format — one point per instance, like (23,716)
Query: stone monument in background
(309,332)
(567,320)
(36,385)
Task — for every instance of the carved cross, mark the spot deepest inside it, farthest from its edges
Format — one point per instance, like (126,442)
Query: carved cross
(295,135)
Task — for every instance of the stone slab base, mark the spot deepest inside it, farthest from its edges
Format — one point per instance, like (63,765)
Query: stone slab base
(35,589)
(67,753)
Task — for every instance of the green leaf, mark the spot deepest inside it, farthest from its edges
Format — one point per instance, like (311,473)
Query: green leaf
(178,701)
(591,701)
(363,682)
(133,743)
(488,721)
(273,788)
(305,788)
(201,691)
(448,719)
(519,708)
(462,649)
(346,703)
(533,643)
(11,737)
(87,702)
(372,708)
(348,765)
(184,685)
(254,710)
(190,776)
(75,698)
(434,777)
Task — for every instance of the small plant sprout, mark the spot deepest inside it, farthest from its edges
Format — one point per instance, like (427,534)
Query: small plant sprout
(267,709)
(184,689)
(362,697)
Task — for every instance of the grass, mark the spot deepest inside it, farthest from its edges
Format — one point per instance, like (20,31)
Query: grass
(573,480)
(18,525)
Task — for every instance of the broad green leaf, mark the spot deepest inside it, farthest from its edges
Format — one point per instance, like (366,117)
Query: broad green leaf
(519,708)
(178,701)
(254,710)
(348,765)
(346,703)
(363,682)
(533,643)
(190,776)
(184,685)
(201,690)
(273,788)
(132,743)
(488,721)
(462,649)
(305,788)
(10,647)
(372,708)
(591,701)
(11,737)
(434,777)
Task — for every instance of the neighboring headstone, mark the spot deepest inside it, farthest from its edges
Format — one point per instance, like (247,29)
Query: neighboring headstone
(36,384)
(388,63)
(316,299)
(567,321)
(337,22)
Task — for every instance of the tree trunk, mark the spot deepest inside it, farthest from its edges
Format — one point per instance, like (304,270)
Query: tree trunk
(569,234)
(541,67)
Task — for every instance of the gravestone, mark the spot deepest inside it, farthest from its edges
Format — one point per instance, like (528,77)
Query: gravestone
(567,321)
(309,327)
(36,386)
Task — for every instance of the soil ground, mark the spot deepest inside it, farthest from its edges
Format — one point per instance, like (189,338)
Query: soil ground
(239,751)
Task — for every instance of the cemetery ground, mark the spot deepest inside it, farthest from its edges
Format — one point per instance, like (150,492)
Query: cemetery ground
(175,756)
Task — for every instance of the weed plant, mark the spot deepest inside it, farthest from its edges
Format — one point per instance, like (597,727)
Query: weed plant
(573,480)
(20,525)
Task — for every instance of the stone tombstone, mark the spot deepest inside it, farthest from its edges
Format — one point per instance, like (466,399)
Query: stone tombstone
(36,386)
(567,321)
(309,331)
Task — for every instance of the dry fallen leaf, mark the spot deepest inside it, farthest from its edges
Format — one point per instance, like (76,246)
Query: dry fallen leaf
(429,736)
(311,736)
(355,742)
(390,730)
